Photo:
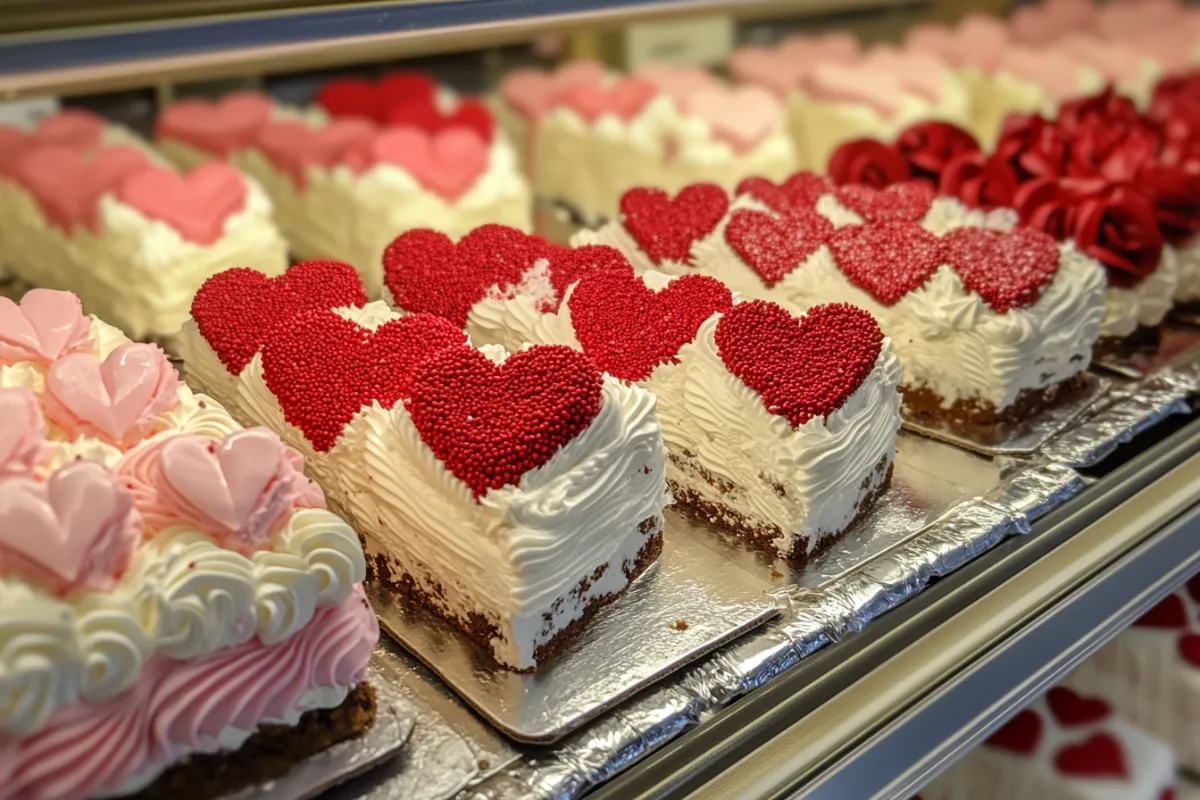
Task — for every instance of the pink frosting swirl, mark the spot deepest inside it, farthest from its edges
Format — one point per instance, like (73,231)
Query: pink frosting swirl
(139,473)
(46,325)
(22,432)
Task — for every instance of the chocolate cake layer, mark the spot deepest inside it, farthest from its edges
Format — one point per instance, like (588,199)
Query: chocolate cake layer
(1143,341)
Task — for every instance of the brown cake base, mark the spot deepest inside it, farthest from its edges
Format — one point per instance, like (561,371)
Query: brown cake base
(267,755)
(479,630)
(979,419)
(1142,342)
(759,535)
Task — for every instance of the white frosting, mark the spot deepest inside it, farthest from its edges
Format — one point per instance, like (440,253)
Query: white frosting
(1145,303)
(944,215)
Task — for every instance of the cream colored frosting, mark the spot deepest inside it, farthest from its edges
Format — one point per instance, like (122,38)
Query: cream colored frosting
(1188,288)
(1145,304)
(944,215)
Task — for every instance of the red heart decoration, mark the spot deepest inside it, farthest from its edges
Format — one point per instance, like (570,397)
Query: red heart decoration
(1100,756)
(67,186)
(428,117)
(887,260)
(1170,613)
(358,97)
(219,127)
(447,162)
(802,368)
(293,146)
(799,192)
(1020,735)
(1071,709)
(1007,269)
(624,99)
(1189,648)
(235,310)
(491,424)
(908,201)
(628,329)
(407,87)
(196,204)
(665,227)
(323,368)
(569,264)
(774,246)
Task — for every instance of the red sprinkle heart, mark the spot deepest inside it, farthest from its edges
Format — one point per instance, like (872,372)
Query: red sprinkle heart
(802,368)
(323,368)
(901,202)
(1189,648)
(629,329)
(1170,613)
(1071,709)
(665,227)
(358,97)
(772,246)
(492,424)
(887,260)
(236,309)
(799,192)
(1100,756)
(1020,735)
(426,115)
(569,264)
(1007,269)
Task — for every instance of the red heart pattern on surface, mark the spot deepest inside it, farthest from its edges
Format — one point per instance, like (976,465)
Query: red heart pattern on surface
(196,204)
(791,363)
(799,192)
(1189,648)
(901,202)
(323,368)
(887,260)
(665,227)
(447,162)
(628,329)
(1071,709)
(774,246)
(1007,269)
(1101,756)
(1171,613)
(358,97)
(470,114)
(1020,735)
(236,310)
(490,424)
(293,146)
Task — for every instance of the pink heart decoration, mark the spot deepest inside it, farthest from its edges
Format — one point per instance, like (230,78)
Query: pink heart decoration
(293,146)
(531,92)
(771,69)
(196,204)
(117,399)
(742,116)
(78,530)
(624,99)
(681,83)
(242,485)
(68,187)
(217,128)
(22,431)
(79,130)
(836,83)
(13,143)
(447,163)
(46,325)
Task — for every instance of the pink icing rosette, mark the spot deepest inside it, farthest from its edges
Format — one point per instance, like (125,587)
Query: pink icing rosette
(44,326)
(22,432)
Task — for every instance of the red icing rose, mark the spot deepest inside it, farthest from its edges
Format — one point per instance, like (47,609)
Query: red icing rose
(1116,225)
(1175,190)
(1107,107)
(929,147)
(1033,147)
(1112,150)
(868,162)
(980,181)
(1173,91)
(1047,205)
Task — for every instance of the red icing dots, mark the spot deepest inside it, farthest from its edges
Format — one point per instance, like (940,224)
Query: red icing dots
(1008,270)
(236,309)
(569,264)
(1071,710)
(887,260)
(1100,756)
(628,329)
(802,368)
(774,246)
(1020,735)
(491,424)
(323,368)
(901,202)
(800,192)
(1170,613)
(664,227)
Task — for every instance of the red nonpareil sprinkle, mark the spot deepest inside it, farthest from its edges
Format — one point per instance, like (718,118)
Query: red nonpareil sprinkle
(799,192)
(901,202)
(1007,269)
(887,260)
(491,424)
(774,246)
(628,329)
(569,264)
(802,368)
(665,227)
(235,310)
(323,368)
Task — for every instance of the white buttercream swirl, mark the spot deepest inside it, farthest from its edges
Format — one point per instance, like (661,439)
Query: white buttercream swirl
(1145,304)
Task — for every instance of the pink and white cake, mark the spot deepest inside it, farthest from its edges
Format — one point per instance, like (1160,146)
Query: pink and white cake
(170,584)
(1151,672)
(510,494)
(90,208)
(345,185)
(1063,747)
(595,136)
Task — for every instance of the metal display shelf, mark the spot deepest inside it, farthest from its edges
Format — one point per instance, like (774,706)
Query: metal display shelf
(880,713)
(306,37)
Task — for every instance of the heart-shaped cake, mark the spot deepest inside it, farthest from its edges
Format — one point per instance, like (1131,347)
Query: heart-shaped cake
(887,260)
(666,227)
(774,246)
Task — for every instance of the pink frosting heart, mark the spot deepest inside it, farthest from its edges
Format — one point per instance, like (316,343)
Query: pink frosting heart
(293,146)
(219,128)
(240,489)
(838,84)
(79,130)
(22,432)
(775,71)
(982,40)
(840,48)
(44,326)
(1054,70)
(196,204)
(75,532)
(1116,61)
(681,83)
(13,143)
(531,92)
(118,399)
(68,186)
(447,163)
(935,38)
(624,99)
(743,116)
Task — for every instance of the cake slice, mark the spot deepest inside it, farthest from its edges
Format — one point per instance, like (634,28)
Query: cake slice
(173,591)
(511,494)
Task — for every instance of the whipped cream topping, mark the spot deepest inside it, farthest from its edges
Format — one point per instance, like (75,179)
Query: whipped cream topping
(1187,290)
(1145,304)
(944,215)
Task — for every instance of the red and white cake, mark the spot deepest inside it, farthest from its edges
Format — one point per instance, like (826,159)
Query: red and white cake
(1063,747)
(170,584)
(89,207)
(511,494)
(347,176)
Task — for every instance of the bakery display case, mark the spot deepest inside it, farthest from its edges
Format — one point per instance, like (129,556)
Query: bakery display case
(895,618)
